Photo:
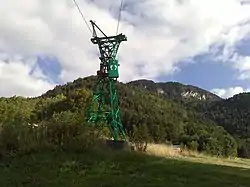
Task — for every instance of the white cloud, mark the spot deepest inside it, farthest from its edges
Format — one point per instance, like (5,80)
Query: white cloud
(229,92)
(238,62)
(160,34)
(242,64)
(15,78)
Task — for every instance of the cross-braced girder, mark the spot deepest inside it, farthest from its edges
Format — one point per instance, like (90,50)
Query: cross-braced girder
(105,105)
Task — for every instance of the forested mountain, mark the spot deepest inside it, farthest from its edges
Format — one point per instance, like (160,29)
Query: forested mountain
(232,114)
(169,121)
(176,91)
(145,115)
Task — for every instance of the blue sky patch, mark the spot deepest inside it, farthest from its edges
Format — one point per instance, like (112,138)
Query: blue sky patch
(50,67)
(243,47)
(205,73)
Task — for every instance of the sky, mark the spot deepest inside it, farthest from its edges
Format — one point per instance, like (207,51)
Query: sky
(198,42)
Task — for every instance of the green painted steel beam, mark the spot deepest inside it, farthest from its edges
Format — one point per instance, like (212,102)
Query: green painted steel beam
(105,104)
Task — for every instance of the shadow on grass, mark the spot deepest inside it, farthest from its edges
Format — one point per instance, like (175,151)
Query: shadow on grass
(112,169)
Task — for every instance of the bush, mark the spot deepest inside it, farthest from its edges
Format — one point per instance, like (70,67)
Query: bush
(193,145)
(140,137)
(64,131)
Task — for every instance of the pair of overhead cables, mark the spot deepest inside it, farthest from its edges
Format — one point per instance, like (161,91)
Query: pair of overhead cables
(86,22)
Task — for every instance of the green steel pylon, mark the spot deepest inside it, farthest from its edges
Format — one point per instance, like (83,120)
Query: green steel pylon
(104,106)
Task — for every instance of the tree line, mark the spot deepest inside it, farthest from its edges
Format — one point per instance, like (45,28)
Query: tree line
(56,120)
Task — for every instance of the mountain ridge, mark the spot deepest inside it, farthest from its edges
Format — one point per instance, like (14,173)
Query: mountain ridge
(176,90)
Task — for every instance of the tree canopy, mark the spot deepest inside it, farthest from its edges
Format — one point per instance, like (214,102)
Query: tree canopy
(57,118)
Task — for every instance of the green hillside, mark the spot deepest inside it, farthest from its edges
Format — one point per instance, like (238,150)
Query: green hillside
(232,113)
(146,117)
(158,119)
(45,141)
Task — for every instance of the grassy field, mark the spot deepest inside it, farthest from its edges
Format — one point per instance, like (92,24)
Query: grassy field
(193,156)
(113,169)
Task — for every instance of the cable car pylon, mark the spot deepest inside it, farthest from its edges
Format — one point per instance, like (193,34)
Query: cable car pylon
(105,105)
